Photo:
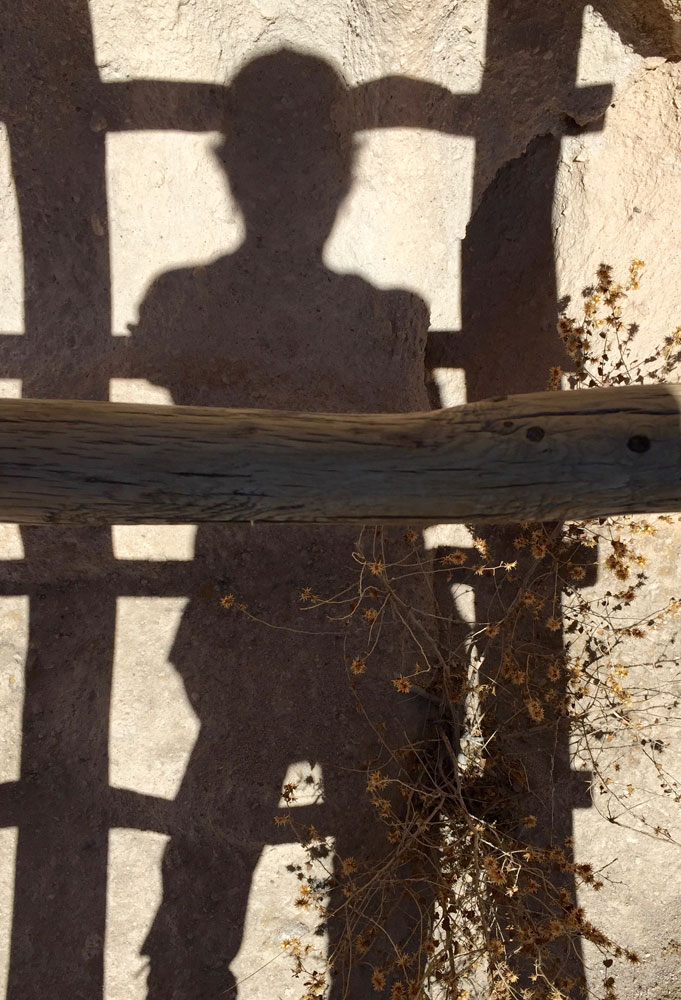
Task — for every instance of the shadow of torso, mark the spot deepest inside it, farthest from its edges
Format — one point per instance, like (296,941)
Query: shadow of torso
(242,332)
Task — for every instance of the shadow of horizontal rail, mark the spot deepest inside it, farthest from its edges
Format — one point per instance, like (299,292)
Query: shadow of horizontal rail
(127,809)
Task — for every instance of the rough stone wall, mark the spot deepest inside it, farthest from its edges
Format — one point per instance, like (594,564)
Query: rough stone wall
(549,140)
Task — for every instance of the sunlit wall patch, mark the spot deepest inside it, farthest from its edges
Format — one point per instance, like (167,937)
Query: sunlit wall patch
(169,207)
(153,726)
(11,253)
(133,895)
(13,647)
(9,838)
(399,226)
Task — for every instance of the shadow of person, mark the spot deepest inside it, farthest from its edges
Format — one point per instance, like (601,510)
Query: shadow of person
(271,326)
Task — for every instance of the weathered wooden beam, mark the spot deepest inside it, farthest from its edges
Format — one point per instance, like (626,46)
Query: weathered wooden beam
(545,456)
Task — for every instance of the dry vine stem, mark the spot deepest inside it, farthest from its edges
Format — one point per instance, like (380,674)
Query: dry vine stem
(472,838)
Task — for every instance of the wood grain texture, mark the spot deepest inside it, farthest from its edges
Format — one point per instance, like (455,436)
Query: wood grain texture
(544,456)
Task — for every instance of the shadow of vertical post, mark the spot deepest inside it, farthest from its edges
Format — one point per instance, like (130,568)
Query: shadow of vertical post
(509,293)
(57,155)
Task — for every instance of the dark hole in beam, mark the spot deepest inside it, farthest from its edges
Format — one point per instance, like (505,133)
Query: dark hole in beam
(638,443)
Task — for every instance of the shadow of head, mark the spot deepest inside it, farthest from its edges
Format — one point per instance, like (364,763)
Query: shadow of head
(287,152)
